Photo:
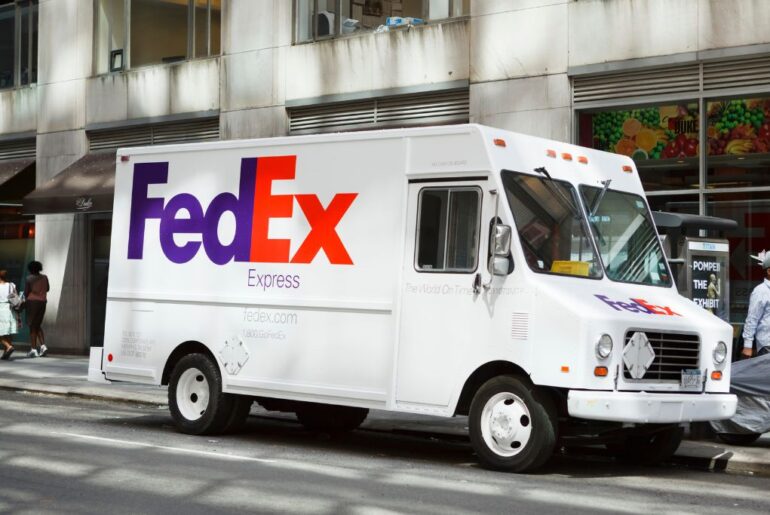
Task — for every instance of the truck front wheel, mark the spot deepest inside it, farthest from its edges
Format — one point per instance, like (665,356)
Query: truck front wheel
(195,397)
(511,425)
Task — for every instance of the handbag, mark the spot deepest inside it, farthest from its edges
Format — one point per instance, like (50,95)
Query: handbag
(14,299)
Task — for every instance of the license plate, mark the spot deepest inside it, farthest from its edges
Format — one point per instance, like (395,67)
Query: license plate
(692,379)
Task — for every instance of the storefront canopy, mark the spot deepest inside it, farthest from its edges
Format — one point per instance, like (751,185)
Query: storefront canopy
(85,186)
(10,168)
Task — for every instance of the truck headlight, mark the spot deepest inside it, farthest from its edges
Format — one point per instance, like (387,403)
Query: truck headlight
(720,353)
(604,346)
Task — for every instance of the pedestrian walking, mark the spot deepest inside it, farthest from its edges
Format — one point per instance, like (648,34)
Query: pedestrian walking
(36,294)
(8,318)
(757,326)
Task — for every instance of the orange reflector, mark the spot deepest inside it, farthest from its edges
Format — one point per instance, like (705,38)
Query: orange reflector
(565,369)
(550,153)
(716,375)
(566,156)
(627,169)
(583,159)
(500,142)
(600,371)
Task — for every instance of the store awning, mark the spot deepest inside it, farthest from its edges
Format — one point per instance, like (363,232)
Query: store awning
(10,168)
(85,186)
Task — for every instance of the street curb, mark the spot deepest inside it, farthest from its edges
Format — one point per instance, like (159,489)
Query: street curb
(83,393)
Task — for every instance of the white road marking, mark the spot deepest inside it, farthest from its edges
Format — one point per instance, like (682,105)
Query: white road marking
(181,450)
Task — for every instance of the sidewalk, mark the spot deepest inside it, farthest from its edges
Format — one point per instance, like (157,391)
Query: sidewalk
(67,376)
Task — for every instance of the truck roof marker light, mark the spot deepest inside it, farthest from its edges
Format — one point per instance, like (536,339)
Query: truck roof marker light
(566,156)
(550,153)
(499,142)
(565,369)
(583,160)
(627,169)
(716,375)
(600,371)
(124,159)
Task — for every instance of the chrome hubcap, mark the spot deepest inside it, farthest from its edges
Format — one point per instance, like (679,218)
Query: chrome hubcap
(506,424)
(192,394)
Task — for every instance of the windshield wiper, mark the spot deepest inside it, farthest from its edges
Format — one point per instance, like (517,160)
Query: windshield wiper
(599,199)
(564,198)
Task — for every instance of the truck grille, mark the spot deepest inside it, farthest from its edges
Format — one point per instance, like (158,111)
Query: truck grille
(673,353)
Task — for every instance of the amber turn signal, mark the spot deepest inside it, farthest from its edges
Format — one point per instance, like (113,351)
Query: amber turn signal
(499,142)
(716,375)
(600,371)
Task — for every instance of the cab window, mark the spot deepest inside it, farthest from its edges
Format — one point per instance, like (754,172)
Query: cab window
(448,228)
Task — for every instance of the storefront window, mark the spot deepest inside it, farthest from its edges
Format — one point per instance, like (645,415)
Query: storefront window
(752,212)
(161,31)
(18,43)
(319,19)
(739,143)
(662,141)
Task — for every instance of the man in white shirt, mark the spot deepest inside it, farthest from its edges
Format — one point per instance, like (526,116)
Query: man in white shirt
(757,326)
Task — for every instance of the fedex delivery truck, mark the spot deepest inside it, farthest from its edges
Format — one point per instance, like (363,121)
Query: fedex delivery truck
(444,271)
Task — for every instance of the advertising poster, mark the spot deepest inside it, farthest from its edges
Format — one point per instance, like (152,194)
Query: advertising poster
(708,285)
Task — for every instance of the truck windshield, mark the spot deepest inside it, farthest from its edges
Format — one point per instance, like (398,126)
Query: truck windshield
(551,225)
(625,237)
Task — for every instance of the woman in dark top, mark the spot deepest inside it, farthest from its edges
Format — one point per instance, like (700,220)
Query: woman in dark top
(35,291)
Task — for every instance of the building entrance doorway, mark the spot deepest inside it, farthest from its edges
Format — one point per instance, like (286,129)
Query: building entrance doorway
(99,229)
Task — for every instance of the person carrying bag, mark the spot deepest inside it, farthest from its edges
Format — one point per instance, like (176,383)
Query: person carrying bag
(9,322)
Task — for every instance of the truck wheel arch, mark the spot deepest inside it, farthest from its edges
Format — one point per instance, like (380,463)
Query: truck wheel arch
(182,350)
(480,376)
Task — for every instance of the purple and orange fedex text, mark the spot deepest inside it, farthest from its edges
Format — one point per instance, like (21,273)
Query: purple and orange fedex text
(253,208)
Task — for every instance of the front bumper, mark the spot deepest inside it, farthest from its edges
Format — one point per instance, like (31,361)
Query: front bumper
(650,408)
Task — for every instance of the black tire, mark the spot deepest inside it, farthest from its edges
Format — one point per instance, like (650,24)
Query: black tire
(198,371)
(648,449)
(327,418)
(535,423)
(739,439)
(239,414)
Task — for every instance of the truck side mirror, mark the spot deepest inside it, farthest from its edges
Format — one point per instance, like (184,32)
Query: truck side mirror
(500,259)
(501,240)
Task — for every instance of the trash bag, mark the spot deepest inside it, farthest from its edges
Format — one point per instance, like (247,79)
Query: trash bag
(750,381)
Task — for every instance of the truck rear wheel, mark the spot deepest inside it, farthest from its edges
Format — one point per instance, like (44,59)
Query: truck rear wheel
(195,397)
(329,418)
(512,426)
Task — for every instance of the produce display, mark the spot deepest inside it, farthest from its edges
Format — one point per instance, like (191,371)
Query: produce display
(648,133)
(739,126)
(734,127)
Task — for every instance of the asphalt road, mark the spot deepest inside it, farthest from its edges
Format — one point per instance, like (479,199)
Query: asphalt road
(73,456)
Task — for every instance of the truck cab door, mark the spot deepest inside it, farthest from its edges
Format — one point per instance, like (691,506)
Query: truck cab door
(443,310)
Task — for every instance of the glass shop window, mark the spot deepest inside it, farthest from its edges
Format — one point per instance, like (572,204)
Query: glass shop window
(662,140)
(18,43)
(320,19)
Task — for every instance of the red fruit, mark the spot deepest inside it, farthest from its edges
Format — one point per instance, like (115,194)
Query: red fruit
(680,141)
(691,147)
(670,150)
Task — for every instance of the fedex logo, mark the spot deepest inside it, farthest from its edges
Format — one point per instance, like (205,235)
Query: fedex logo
(253,208)
(637,306)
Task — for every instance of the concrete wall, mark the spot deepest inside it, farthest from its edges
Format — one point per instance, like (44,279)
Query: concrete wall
(515,54)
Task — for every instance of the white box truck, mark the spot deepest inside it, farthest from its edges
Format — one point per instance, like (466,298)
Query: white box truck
(459,270)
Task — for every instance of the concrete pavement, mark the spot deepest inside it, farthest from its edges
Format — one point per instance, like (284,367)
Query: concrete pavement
(67,376)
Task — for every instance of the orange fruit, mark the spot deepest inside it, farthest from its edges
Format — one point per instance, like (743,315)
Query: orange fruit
(625,146)
(631,127)
(646,139)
